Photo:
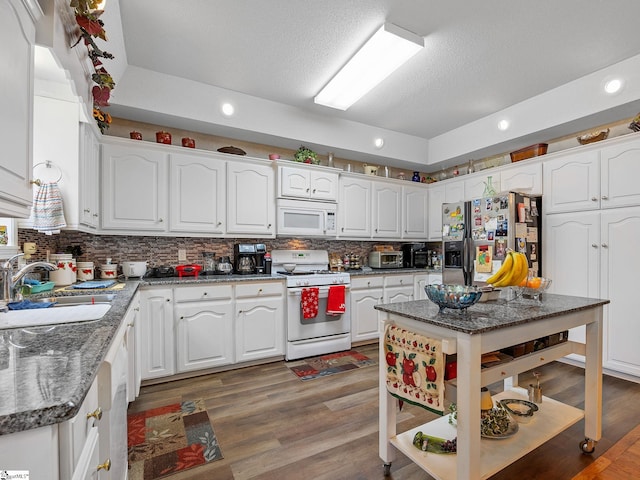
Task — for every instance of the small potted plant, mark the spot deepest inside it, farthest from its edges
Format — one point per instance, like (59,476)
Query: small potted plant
(306,155)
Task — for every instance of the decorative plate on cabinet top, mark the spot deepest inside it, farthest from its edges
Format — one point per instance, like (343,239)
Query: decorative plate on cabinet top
(233,150)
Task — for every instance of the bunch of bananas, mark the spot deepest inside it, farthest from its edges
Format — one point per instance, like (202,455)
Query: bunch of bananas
(513,272)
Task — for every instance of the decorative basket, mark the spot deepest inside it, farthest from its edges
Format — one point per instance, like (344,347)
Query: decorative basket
(593,137)
(529,152)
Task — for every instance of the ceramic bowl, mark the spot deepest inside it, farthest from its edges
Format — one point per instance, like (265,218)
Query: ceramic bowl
(289,267)
(458,297)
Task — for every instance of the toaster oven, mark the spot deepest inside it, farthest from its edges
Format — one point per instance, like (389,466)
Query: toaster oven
(385,259)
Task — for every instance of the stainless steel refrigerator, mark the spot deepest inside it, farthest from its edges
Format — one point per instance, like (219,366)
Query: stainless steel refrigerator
(477,234)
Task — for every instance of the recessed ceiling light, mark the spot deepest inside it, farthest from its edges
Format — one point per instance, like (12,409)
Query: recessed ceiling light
(378,142)
(503,125)
(227,109)
(613,86)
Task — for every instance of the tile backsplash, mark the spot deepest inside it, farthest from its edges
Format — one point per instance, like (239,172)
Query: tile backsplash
(164,250)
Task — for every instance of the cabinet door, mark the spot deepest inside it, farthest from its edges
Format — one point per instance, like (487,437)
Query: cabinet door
(204,334)
(294,182)
(197,194)
(364,317)
(134,188)
(134,377)
(436,197)
(415,213)
(571,183)
(420,281)
(521,178)
(620,263)
(89,187)
(571,257)
(620,171)
(387,211)
(259,328)
(156,340)
(454,192)
(354,208)
(474,187)
(251,204)
(17,36)
(324,185)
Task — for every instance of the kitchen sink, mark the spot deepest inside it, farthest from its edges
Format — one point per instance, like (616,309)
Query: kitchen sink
(68,309)
(69,300)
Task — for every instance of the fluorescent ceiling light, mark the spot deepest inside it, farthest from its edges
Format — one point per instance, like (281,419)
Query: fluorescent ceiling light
(389,48)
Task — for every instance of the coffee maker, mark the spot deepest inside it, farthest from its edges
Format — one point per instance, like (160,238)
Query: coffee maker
(244,258)
(261,250)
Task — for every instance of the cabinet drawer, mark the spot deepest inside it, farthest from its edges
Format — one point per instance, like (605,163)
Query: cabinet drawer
(259,289)
(366,281)
(204,292)
(398,280)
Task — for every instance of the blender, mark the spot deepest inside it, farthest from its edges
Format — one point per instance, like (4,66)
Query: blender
(209,264)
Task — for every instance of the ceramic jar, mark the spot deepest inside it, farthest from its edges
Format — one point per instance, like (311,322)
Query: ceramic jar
(109,271)
(416,177)
(163,137)
(188,142)
(135,135)
(66,273)
(85,271)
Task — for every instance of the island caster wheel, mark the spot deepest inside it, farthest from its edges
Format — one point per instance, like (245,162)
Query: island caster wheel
(587,446)
(387,469)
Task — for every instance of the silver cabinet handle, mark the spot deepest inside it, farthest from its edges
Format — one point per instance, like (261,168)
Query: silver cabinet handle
(604,245)
(594,245)
(86,210)
(219,223)
(594,199)
(160,220)
(307,190)
(314,190)
(604,197)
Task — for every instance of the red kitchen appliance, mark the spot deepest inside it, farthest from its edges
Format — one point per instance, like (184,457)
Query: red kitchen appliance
(188,270)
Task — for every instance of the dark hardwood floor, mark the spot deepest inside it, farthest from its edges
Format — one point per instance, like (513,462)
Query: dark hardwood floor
(271,425)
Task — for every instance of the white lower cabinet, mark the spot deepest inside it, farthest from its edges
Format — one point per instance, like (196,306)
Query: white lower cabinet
(132,320)
(398,288)
(421,280)
(156,340)
(191,328)
(204,327)
(260,320)
(366,293)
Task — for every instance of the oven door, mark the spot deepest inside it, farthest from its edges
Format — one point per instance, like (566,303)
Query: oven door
(300,328)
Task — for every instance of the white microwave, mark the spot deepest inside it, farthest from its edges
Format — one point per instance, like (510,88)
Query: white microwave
(306,218)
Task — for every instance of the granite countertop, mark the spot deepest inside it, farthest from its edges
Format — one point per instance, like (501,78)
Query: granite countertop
(190,280)
(491,315)
(45,372)
(387,271)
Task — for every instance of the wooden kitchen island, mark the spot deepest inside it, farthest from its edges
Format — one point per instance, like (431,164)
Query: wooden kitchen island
(487,327)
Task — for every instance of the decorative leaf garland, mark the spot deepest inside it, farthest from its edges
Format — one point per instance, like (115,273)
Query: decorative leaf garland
(88,20)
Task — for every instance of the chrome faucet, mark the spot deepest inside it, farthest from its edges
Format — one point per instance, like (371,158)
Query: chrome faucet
(10,279)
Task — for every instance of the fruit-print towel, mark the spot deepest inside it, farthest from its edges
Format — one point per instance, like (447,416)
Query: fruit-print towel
(415,368)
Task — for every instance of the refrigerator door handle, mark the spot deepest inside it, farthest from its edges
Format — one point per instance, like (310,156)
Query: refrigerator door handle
(468,256)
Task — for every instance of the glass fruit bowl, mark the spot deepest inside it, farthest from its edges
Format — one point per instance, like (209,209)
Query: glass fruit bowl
(534,286)
(459,297)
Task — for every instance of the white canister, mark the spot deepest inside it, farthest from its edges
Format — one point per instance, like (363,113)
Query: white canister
(66,273)
(109,271)
(85,271)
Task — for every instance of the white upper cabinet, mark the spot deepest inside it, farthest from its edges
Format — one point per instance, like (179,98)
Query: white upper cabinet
(571,182)
(387,210)
(198,194)
(251,201)
(354,207)
(17,37)
(89,173)
(134,188)
(311,183)
(523,178)
(620,174)
(474,187)
(436,197)
(415,212)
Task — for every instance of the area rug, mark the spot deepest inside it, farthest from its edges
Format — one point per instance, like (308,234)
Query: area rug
(330,364)
(170,439)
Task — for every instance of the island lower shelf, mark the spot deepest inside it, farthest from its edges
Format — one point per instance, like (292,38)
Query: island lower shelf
(551,418)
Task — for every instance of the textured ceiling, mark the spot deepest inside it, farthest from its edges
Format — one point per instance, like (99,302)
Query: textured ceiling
(479,57)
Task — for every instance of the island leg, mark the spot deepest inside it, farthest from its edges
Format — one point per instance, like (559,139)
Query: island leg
(468,403)
(387,410)
(593,378)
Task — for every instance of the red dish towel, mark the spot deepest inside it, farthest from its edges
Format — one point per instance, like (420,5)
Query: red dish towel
(335,300)
(309,302)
